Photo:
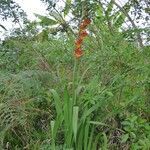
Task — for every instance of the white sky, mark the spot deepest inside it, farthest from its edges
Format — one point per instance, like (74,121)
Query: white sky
(30,7)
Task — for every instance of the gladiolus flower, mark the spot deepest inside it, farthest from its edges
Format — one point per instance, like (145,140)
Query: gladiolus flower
(83,26)
(86,21)
(83,34)
(78,42)
(78,52)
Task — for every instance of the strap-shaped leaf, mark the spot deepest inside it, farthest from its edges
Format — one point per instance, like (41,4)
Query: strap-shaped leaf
(58,17)
(119,16)
(45,21)
(57,101)
(67,7)
(75,121)
(109,8)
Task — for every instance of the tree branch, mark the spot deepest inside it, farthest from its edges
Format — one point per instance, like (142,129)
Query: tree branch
(139,38)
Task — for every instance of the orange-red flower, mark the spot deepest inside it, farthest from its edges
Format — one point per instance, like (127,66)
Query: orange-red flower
(83,34)
(86,21)
(83,26)
(78,52)
(78,42)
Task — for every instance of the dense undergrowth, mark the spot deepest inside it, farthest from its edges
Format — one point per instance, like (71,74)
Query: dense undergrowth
(49,100)
(112,88)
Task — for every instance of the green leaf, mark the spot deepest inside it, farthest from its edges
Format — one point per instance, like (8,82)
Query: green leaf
(75,120)
(124,138)
(67,7)
(57,101)
(86,135)
(119,16)
(52,133)
(45,21)
(57,125)
(109,93)
(81,137)
(96,142)
(57,17)
(99,11)
(89,111)
(105,147)
(68,122)
(68,105)
(98,123)
(109,8)
(90,139)
(118,23)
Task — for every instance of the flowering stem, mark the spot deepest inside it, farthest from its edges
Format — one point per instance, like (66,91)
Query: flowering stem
(74,81)
(78,53)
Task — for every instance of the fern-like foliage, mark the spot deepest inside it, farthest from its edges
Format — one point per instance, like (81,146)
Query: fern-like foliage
(23,103)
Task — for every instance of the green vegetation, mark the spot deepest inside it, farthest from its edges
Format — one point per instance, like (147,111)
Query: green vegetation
(49,100)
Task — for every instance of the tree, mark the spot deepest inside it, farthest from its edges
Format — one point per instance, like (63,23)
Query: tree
(10,9)
(114,15)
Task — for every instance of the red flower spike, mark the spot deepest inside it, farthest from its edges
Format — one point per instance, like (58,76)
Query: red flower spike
(83,26)
(83,34)
(78,42)
(86,21)
(78,52)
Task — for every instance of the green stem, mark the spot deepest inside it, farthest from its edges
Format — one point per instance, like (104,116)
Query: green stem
(74,81)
